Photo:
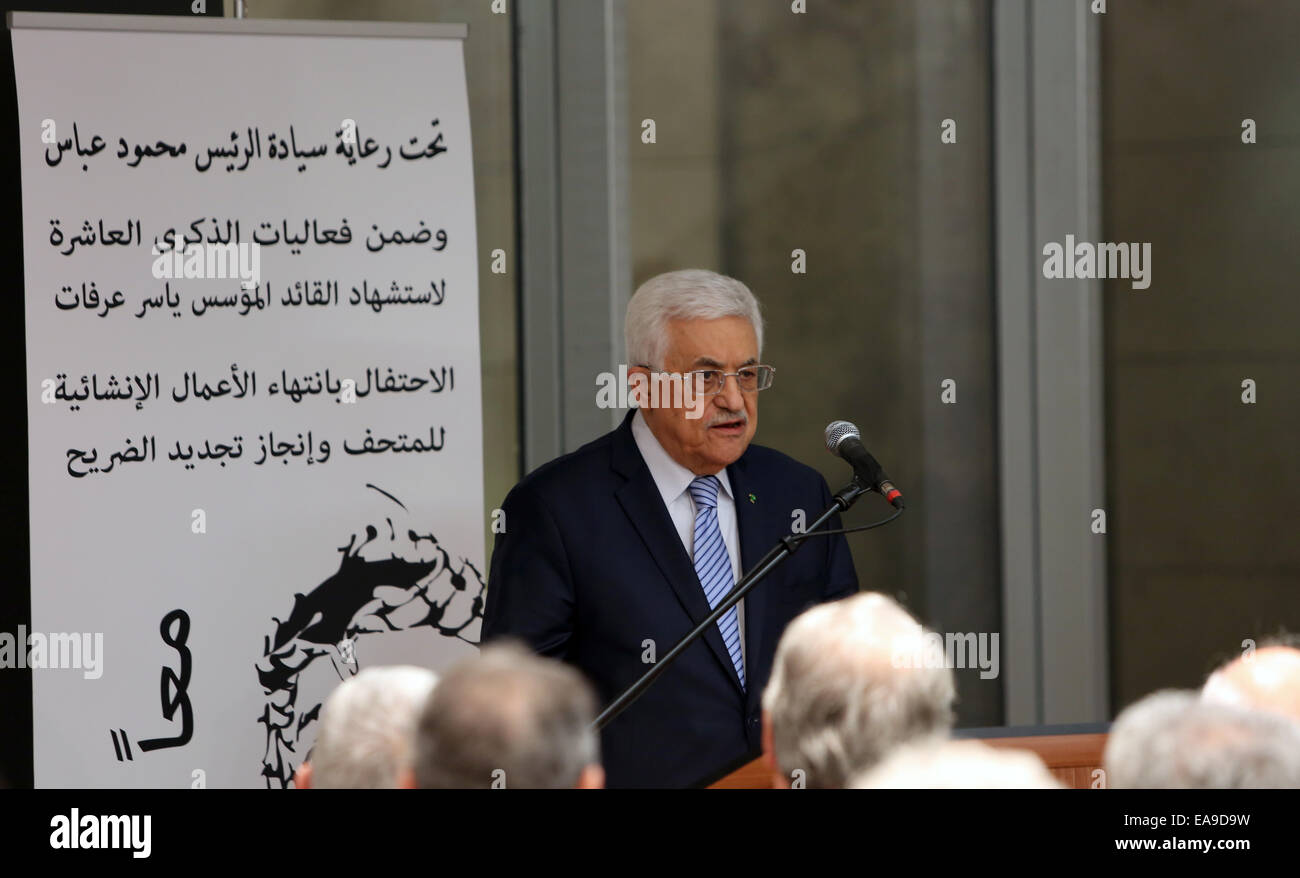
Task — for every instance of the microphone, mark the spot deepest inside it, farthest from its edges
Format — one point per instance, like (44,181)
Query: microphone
(844,440)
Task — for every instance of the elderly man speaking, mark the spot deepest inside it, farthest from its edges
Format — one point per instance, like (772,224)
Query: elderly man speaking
(613,553)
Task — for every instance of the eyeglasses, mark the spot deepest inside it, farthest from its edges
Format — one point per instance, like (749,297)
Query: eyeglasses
(709,382)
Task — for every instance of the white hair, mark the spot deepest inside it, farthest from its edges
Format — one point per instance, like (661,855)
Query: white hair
(838,700)
(691,294)
(958,765)
(367,726)
(1174,740)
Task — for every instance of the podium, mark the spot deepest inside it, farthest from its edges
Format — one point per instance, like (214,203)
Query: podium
(1072,753)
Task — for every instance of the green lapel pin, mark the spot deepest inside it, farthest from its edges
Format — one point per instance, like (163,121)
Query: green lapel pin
(753,499)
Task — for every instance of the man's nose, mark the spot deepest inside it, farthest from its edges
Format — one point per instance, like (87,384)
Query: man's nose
(731,397)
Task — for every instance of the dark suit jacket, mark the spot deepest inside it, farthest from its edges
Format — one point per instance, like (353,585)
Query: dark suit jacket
(590,567)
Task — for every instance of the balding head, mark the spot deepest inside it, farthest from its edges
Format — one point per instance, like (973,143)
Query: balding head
(509,718)
(1266,679)
(839,699)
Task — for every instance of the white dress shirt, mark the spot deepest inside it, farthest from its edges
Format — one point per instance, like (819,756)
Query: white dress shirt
(673,481)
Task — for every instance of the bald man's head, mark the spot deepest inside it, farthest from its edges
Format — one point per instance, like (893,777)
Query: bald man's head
(1267,679)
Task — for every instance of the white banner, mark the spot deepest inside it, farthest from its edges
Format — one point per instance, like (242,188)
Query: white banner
(253,390)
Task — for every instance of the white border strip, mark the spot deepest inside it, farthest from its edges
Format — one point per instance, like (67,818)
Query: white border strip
(213,25)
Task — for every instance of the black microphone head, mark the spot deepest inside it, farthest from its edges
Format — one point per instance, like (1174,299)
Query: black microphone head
(837,432)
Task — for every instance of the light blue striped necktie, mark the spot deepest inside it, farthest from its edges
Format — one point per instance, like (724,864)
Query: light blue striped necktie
(713,564)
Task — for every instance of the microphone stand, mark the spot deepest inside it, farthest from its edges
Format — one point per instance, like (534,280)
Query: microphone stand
(785,547)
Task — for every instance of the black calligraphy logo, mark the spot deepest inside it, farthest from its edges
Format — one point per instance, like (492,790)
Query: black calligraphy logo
(173,691)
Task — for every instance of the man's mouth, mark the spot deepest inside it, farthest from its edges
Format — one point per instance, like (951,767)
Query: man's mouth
(731,427)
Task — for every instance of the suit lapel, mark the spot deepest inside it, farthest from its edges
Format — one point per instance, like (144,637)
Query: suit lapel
(644,506)
(749,515)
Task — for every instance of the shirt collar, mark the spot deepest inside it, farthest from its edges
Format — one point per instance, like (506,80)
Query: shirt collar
(670,477)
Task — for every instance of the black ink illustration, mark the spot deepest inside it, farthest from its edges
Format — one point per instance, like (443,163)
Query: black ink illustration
(389,579)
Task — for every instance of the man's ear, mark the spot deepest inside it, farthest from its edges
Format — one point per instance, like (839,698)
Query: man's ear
(406,779)
(302,777)
(592,778)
